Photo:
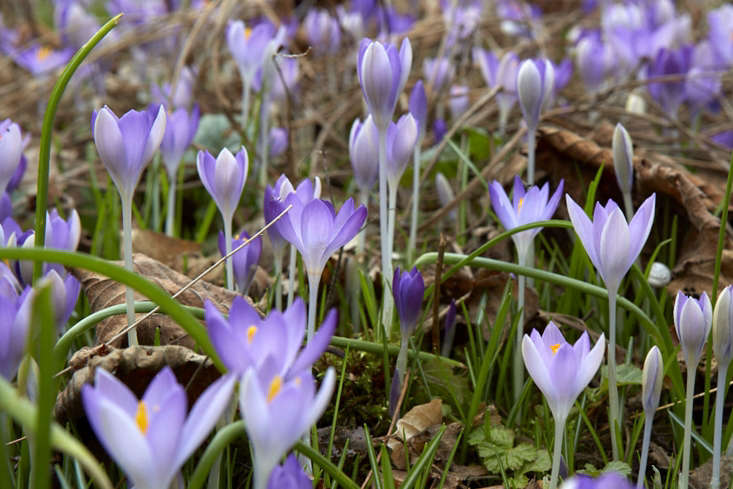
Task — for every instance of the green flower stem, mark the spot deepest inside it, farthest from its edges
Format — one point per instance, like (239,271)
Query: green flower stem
(557,452)
(218,443)
(531,145)
(228,248)
(44,153)
(127,252)
(291,273)
(613,418)
(24,412)
(313,283)
(245,102)
(628,206)
(342,479)
(648,423)
(415,201)
(171,211)
(718,426)
(402,357)
(686,442)
(392,215)
(167,305)
(361,240)
(44,332)
(518,363)
(387,300)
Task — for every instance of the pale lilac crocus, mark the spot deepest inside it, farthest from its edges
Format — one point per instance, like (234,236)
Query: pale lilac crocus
(277,412)
(322,31)
(11,151)
(418,105)
(500,73)
(244,261)
(535,84)
(364,157)
(613,245)
(152,437)
(317,231)
(245,339)
(408,289)
(61,234)
(179,133)
(670,94)
(224,179)
(289,475)
(438,72)
(652,379)
(561,371)
(527,206)
(692,321)
(126,146)
(720,23)
(278,141)
(623,165)
(723,348)
(40,59)
(15,310)
(595,60)
(607,480)
(64,294)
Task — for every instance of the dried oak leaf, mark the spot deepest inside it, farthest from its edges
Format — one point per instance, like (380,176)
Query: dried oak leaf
(136,366)
(166,249)
(103,292)
(415,421)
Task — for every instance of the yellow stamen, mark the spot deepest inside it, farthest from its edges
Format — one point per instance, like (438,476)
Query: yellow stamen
(521,203)
(141,418)
(247,33)
(275,387)
(43,53)
(555,347)
(298,381)
(251,333)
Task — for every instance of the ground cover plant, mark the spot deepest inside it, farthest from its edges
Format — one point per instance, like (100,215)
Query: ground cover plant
(461,244)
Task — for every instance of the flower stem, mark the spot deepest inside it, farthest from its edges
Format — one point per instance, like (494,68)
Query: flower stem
(291,273)
(361,242)
(228,248)
(685,474)
(263,147)
(402,357)
(557,452)
(392,213)
(387,302)
(648,423)
(313,282)
(531,143)
(155,169)
(171,212)
(127,253)
(415,202)
(628,206)
(612,386)
(518,363)
(277,261)
(245,102)
(718,426)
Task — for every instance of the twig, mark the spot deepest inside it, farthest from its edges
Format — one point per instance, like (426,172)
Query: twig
(436,295)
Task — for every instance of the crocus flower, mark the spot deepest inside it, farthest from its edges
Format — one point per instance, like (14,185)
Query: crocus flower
(245,260)
(723,349)
(322,30)
(248,46)
(595,60)
(289,475)
(224,178)
(458,101)
(408,289)
(183,96)
(152,437)
(40,59)
(609,480)
(503,74)
(670,94)
(75,24)
(277,412)
(418,106)
(364,153)
(623,158)
(720,23)
(127,144)
(652,379)
(445,193)
(438,72)
(15,310)
(11,151)
(535,82)
(65,293)
(526,207)
(611,243)
(692,321)
(561,371)
(245,340)
(179,133)
(401,140)
(278,141)
(383,72)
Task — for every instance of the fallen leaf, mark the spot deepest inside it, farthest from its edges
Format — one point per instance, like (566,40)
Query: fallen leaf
(415,421)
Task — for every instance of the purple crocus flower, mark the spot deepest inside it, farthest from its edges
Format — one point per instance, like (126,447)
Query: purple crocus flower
(317,230)
(322,30)
(720,33)
(274,343)
(75,24)
(306,191)
(248,46)
(183,97)
(278,141)
(289,475)
(40,59)
(563,72)
(692,321)
(382,74)
(703,81)
(561,370)
(439,129)
(127,144)
(501,73)
(526,207)
(595,60)
(724,138)
(277,412)
(364,153)
(438,72)
(535,82)
(244,261)
(281,87)
(224,178)
(180,130)
(152,437)
(408,289)
(609,480)
(401,140)
(11,151)
(418,106)
(670,94)
(611,243)
(15,310)
(65,293)
(459,100)
(60,234)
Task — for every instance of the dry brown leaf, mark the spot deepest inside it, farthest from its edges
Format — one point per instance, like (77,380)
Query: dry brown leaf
(415,421)
(103,292)
(135,367)
(166,249)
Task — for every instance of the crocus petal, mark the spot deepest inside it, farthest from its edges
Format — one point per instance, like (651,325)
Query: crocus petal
(640,227)
(536,367)
(615,243)
(155,135)
(316,346)
(111,388)
(108,139)
(583,227)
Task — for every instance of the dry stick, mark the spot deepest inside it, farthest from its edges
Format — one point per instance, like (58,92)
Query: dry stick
(436,295)
(187,286)
(477,181)
(391,424)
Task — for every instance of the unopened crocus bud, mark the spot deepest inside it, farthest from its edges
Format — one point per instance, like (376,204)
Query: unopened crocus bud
(418,106)
(11,151)
(408,289)
(64,293)
(438,72)
(652,377)
(659,275)
(401,140)
(535,81)
(445,193)
(278,141)
(244,261)
(180,129)
(322,30)
(364,153)
(723,327)
(692,321)
(623,159)
(459,100)
(224,178)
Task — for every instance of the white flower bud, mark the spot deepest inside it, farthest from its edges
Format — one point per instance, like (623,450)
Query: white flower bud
(623,159)
(722,325)
(652,377)
(635,104)
(659,275)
